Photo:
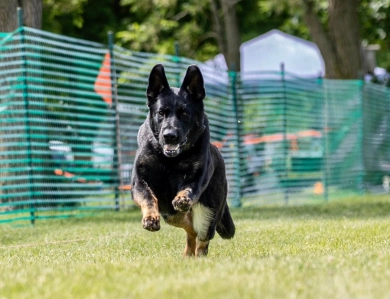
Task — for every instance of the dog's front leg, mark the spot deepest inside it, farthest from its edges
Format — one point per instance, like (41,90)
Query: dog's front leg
(190,191)
(188,196)
(144,197)
(183,200)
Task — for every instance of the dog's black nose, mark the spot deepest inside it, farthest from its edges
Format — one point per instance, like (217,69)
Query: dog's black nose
(170,136)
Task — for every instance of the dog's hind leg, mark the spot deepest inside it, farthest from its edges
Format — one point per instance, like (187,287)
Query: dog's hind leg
(204,225)
(184,221)
(189,250)
(202,248)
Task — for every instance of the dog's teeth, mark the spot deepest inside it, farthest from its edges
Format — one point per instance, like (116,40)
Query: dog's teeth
(171,148)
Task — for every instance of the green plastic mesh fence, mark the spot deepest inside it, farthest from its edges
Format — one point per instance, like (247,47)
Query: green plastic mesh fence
(57,130)
(343,140)
(70,112)
(282,136)
(376,138)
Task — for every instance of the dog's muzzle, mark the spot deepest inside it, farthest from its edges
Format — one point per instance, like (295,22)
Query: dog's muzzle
(172,150)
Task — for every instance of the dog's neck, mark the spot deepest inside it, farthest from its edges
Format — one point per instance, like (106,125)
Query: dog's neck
(197,136)
(202,129)
(200,132)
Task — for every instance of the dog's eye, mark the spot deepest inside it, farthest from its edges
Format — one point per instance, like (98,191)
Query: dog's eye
(184,113)
(161,113)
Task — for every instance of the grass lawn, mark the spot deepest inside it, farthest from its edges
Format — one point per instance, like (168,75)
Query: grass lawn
(330,250)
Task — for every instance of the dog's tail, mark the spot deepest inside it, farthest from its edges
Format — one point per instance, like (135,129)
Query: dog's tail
(226,227)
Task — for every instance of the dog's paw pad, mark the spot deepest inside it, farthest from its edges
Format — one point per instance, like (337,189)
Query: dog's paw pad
(151,224)
(182,203)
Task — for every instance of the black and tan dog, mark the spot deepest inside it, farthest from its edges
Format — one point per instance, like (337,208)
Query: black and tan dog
(178,173)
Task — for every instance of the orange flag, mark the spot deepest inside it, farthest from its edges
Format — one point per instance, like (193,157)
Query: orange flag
(103,80)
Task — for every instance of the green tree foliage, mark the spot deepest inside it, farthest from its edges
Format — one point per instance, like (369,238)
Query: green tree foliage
(375,24)
(154,26)
(374,21)
(84,19)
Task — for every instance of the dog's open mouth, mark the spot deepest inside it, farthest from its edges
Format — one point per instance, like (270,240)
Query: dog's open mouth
(172,150)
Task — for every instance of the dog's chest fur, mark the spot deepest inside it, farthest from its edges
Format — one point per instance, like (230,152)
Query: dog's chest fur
(168,176)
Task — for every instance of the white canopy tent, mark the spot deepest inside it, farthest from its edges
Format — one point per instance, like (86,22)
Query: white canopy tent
(266,52)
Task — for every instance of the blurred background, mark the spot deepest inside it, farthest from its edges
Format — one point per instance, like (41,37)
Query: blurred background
(352,35)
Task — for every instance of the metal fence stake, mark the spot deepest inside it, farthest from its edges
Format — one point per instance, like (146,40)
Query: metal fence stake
(325,141)
(285,142)
(27,115)
(233,89)
(118,143)
(176,59)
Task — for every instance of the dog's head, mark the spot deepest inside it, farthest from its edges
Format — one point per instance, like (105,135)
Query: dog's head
(176,114)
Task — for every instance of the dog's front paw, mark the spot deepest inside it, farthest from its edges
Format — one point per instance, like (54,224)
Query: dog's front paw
(151,223)
(182,202)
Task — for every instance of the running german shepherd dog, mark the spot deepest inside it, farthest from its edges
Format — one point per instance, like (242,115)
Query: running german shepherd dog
(178,173)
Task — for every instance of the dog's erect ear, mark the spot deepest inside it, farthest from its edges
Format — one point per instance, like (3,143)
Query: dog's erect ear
(157,83)
(193,83)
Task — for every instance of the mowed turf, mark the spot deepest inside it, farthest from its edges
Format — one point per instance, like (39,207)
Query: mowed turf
(330,250)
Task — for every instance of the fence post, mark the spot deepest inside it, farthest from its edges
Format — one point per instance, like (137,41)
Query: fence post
(117,141)
(26,116)
(285,142)
(325,141)
(361,137)
(238,133)
(176,59)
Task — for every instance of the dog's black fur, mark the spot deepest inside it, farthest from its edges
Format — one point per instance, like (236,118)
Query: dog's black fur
(178,173)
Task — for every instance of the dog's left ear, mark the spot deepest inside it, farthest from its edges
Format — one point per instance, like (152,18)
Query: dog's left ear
(193,83)
(158,83)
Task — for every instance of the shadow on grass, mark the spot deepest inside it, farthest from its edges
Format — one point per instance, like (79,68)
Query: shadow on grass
(358,210)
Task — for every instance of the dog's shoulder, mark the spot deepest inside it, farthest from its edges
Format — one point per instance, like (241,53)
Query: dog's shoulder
(145,136)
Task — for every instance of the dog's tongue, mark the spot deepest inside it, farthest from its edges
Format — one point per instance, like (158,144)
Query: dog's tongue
(171,147)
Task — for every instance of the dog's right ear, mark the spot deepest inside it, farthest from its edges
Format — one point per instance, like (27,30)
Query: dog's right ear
(193,83)
(157,83)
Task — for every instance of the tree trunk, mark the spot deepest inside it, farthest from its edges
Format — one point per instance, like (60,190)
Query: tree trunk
(340,44)
(8,15)
(227,32)
(322,39)
(232,34)
(220,33)
(345,34)
(32,14)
